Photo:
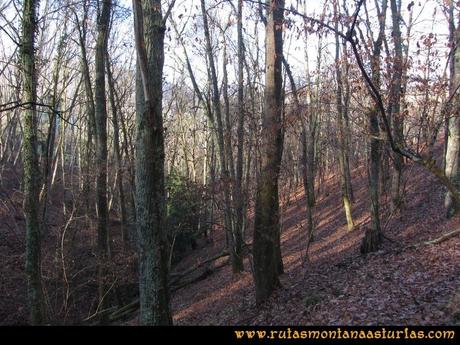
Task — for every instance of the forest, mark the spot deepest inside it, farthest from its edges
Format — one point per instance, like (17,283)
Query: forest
(229,162)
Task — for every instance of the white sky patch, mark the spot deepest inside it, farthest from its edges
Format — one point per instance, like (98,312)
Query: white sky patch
(428,17)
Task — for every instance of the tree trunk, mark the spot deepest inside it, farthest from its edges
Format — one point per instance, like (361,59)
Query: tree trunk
(344,151)
(373,235)
(266,223)
(117,151)
(90,107)
(154,293)
(101,148)
(51,137)
(307,161)
(453,127)
(239,198)
(31,166)
(395,99)
(224,161)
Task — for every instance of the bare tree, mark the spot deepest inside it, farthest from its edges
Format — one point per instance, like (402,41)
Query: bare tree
(344,151)
(149,29)
(101,145)
(373,236)
(31,166)
(453,129)
(239,197)
(395,112)
(266,220)
(226,164)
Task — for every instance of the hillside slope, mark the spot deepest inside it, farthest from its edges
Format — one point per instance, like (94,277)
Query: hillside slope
(337,286)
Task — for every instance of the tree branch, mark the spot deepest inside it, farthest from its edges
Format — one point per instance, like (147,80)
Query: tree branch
(168,12)
(427,163)
(16,104)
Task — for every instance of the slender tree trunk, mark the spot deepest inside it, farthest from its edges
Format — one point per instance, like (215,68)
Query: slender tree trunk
(51,137)
(344,151)
(307,171)
(117,151)
(154,292)
(31,166)
(346,121)
(308,137)
(373,235)
(225,173)
(453,126)
(308,182)
(266,223)
(90,107)
(239,198)
(228,125)
(395,97)
(101,147)
(131,173)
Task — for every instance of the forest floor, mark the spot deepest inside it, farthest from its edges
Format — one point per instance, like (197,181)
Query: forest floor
(398,285)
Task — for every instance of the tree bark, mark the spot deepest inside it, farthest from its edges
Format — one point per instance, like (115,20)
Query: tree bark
(90,106)
(31,166)
(395,105)
(373,236)
(149,29)
(101,148)
(266,223)
(239,198)
(344,151)
(117,151)
(453,126)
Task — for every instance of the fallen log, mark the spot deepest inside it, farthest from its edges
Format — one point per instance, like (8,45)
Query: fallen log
(203,275)
(178,275)
(174,285)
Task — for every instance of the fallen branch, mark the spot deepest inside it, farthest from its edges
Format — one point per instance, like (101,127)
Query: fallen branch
(438,240)
(203,275)
(124,311)
(174,285)
(178,275)
(100,313)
